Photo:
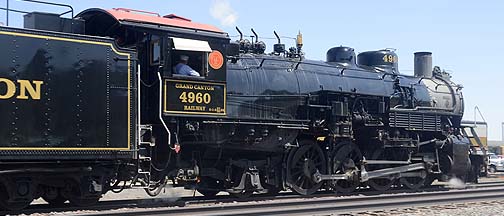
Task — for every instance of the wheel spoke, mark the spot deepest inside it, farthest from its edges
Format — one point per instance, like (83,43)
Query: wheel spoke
(308,154)
(298,166)
(299,179)
(303,183)
(297,172)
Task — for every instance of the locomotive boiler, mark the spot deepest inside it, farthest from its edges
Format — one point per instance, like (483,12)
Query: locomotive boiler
(93,104)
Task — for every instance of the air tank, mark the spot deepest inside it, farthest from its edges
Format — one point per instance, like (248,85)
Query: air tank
(423,64)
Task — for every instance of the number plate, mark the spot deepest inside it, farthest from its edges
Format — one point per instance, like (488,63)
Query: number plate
(193,97)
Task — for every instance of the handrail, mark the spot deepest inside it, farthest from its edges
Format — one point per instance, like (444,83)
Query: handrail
(54,4)
(7,13)
(139,115)
(8,9)
(477,110)
(161,110)
(13,10)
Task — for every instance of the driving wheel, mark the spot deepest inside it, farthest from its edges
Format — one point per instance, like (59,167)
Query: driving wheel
(302,164)
(346,160)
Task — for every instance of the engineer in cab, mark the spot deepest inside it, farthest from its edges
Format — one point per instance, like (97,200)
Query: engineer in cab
(183,69)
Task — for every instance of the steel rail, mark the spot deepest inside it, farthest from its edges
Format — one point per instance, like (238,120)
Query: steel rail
(106,207)
(332,205)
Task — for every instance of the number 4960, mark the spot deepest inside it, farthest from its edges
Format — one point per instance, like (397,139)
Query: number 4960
(191,97)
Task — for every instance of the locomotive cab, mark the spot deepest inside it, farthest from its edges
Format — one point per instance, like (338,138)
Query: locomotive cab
(161,43)
(170,104)
(200,94)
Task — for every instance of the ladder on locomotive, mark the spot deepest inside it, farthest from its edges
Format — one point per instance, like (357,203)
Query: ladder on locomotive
(473,136)
(477,146)
(144,161)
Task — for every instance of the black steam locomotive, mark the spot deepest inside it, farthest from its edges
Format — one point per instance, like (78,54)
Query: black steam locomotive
(93,104)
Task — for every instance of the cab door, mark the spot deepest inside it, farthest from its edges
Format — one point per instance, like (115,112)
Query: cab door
(153,61)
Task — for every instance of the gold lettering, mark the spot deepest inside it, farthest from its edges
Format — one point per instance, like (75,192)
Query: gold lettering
(196,87)
(11,89)
(195,108)
(204,87)
(183,86)
(25,85)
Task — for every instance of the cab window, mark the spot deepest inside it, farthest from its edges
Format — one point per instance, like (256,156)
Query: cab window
(193,53)
(155,50)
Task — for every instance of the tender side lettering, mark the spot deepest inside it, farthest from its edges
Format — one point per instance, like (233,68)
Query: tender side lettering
(24,90)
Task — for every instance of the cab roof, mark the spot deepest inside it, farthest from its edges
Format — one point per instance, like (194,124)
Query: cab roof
(123,15)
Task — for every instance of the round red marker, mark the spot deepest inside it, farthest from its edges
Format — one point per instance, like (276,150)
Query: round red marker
(215,59)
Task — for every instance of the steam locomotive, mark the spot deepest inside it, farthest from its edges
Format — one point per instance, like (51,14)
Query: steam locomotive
(92,104)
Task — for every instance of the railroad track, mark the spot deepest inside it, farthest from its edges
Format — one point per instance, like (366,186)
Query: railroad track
(286,203)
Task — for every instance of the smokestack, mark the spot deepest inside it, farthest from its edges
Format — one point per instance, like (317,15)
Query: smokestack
(423,64)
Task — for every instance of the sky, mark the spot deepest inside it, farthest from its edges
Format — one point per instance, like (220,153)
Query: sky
(465,37)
